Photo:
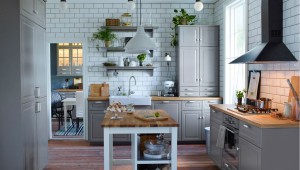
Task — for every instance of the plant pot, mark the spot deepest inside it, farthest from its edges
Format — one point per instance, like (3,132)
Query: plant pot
(141,63)
(107,43)
(239,100)
(183,21)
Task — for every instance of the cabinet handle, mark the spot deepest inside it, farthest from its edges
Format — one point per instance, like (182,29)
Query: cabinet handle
(188,89)
(38,107)
(237,148)
(165,101)
(196,79)
(191,101)
(246,126)
(35,12)
(77,69)
(201,117)
(98,102)
(227,166)
(63,69)
(37,92)
(212,102)
(200,79)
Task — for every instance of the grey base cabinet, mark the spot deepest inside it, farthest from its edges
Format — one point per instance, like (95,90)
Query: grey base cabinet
(173,108)
(191,125)
(216,119)
(95,117)
(250,156)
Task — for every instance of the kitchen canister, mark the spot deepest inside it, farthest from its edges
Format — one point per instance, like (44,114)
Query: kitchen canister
(287,110)
(121,62)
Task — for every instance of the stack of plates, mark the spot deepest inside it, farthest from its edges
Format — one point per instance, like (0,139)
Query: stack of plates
(149,155)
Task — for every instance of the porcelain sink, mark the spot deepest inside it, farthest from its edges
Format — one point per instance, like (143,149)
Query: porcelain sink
(132,99)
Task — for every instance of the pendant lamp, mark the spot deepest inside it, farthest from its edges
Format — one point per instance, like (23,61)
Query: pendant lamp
(140,43)
(63,5)
(198,6)
(131,5)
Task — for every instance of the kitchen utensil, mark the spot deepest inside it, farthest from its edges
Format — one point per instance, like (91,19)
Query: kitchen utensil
(126,62)
(105,90)
(294,87)
(259,104)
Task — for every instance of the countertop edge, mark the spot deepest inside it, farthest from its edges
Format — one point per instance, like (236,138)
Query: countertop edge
(220,107)
(158,98)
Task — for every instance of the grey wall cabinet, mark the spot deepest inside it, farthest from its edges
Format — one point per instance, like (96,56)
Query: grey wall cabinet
(198,60)
(216,119)
(173,108)
(35,10)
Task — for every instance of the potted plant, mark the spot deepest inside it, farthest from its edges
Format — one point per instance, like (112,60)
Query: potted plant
(141,58)
(239,96)
(105,35)
(181,18)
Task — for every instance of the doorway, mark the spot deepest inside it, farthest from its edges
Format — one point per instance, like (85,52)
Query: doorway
(67,84)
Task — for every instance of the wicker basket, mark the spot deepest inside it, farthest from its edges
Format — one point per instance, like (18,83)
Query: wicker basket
(112,22)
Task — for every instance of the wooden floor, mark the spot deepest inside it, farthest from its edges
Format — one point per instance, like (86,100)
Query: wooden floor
(79,155)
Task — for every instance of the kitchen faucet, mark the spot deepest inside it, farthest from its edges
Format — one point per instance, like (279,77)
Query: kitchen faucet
(129,91)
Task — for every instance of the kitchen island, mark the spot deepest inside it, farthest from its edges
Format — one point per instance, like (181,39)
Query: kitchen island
(129,124)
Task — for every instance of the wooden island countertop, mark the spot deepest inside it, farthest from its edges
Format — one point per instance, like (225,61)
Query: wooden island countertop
(258,120)
(129,120)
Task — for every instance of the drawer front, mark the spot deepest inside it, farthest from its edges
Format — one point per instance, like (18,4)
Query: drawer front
(188,89)
(206,103)
(191,105)
(76,70)
(63,71)
(209,94)
(193,94)
(209,88)
(250,133)
(98,105)
(216,116)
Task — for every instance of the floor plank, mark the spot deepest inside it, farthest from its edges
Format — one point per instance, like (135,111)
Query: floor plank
(79,155)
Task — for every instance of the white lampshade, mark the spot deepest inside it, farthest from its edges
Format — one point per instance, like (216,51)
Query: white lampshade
(198,6)
(63,5)
(140,43)
(167,57)
(131,5)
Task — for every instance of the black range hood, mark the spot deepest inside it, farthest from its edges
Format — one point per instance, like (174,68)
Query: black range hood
(272,49)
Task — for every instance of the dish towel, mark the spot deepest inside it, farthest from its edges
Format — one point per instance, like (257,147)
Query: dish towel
(79,104)
(221,137)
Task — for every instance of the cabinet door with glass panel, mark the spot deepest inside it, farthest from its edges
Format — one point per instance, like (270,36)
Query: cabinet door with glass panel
(69,59)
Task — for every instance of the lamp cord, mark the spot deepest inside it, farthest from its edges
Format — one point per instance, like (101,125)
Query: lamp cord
(140,12)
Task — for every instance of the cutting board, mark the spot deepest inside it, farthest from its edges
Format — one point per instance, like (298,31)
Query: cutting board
(149,119)
(97,90)
(295,80)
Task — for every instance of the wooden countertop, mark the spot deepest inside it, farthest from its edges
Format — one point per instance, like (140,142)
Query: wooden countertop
(68,90)
(261,121)
(129,120)
(160,98)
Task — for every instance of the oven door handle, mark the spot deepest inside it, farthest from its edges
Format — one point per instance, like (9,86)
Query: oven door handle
(230,130)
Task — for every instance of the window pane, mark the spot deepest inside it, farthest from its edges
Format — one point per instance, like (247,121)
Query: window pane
(66,53)
(74,53)
(80,53)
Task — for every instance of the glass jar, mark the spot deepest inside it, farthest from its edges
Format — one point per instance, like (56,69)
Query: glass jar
(126,19)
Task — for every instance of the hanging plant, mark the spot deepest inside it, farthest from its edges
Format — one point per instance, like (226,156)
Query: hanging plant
(181,18)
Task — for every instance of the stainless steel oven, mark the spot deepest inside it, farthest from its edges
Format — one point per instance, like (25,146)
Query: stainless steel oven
(230,155)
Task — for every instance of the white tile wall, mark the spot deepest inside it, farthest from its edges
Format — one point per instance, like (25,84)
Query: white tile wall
(273,81)
(82,20)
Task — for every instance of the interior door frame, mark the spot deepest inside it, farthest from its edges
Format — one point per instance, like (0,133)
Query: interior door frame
(84,42)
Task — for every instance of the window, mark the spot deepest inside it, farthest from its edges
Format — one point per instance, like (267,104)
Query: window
(235,45)
(69,51)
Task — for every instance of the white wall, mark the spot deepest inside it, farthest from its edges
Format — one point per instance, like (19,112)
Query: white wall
(273,78)
(81,20)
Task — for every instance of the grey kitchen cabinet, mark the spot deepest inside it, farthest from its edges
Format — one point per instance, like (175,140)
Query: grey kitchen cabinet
(95,117)
(173,108)
(249,156)
(192,120)
(198,60)
(216,119)
(25,91)
(35,10)
(189,69)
